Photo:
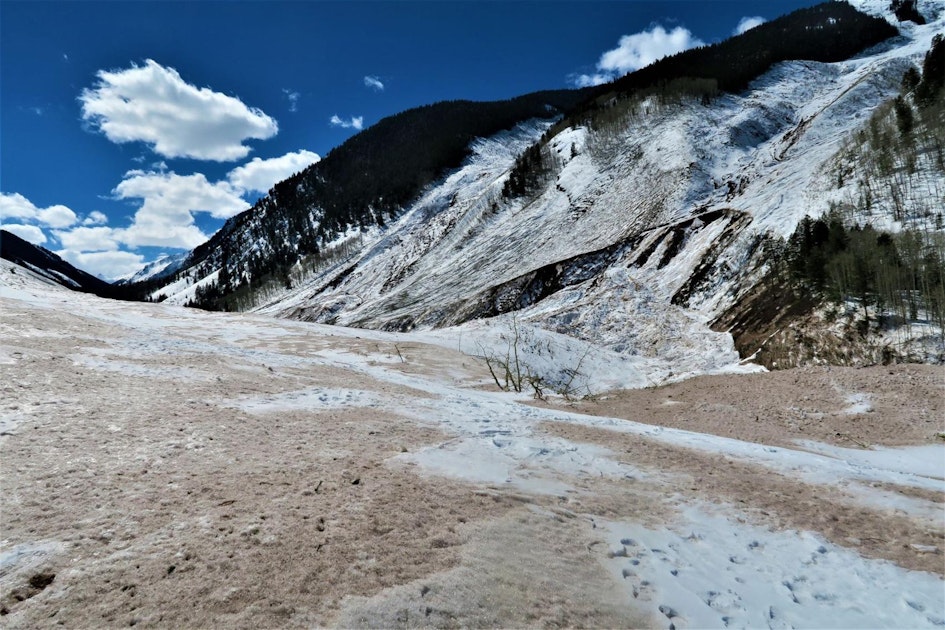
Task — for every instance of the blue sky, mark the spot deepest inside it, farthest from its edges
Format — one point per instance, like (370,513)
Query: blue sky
(133,129)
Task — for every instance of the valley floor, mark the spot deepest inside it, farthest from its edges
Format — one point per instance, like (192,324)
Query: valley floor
(165,467)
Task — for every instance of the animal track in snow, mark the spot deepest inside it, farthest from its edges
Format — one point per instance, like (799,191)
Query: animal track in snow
(722,573)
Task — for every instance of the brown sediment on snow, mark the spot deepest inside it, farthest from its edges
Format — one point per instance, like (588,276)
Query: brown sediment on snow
(909,491)
(135,492)
(271,522)
(172,468)
(894,405)
(773,498)
(533,567)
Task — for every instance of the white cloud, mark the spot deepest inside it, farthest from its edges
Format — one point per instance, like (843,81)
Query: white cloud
(374,83)
(109,265)
(637,51)
(86,239)
(748,23)
(356,122)
(153,104)
(293,99)
(16,206)
(57,216)
(261,175)
(95,218)
(29,233)
(165,217)
(587,80)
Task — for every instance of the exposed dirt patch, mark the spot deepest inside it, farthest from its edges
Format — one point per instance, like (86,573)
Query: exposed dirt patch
(781,326)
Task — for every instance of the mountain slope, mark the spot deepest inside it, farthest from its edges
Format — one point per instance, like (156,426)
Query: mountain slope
(372,177)
(161,268)
(48,265)
(649,229)
(640,228)
(360,184)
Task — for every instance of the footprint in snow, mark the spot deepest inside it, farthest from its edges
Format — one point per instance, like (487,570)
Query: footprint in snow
(727,602)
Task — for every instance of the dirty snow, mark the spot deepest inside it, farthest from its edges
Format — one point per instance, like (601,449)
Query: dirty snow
(285,396)
(709,571)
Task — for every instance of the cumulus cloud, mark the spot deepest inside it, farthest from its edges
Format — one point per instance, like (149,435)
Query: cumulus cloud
(293,98)
(374,83)
(16,206)
(637,51)
(57,216)
(261,175)
(166,204)
(355,122)
(748,23)
(165,217)
(95,218)
(88,239)
(29,233)
(109,264)
(153,104)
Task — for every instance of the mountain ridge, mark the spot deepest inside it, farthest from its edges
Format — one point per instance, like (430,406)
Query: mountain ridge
(48,265)
(310,211)
(644,222)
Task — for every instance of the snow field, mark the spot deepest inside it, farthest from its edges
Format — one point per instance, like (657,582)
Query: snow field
(711,571)
(707,570)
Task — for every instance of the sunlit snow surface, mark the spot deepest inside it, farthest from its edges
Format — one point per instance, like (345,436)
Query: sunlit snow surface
(707,568)
(710,572)
(619,329)
(762,158)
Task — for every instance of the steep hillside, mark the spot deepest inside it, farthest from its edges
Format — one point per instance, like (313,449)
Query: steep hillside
(649,227)
(645,220)
(374,176)
(163,267)
(872,269)
(48,265)
(359,185)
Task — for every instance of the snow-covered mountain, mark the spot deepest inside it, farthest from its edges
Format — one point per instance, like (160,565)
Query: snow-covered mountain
(650,227)
(163,267)
(48,266)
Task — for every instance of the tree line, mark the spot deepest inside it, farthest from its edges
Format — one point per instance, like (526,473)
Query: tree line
(899,275)
(828,32)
